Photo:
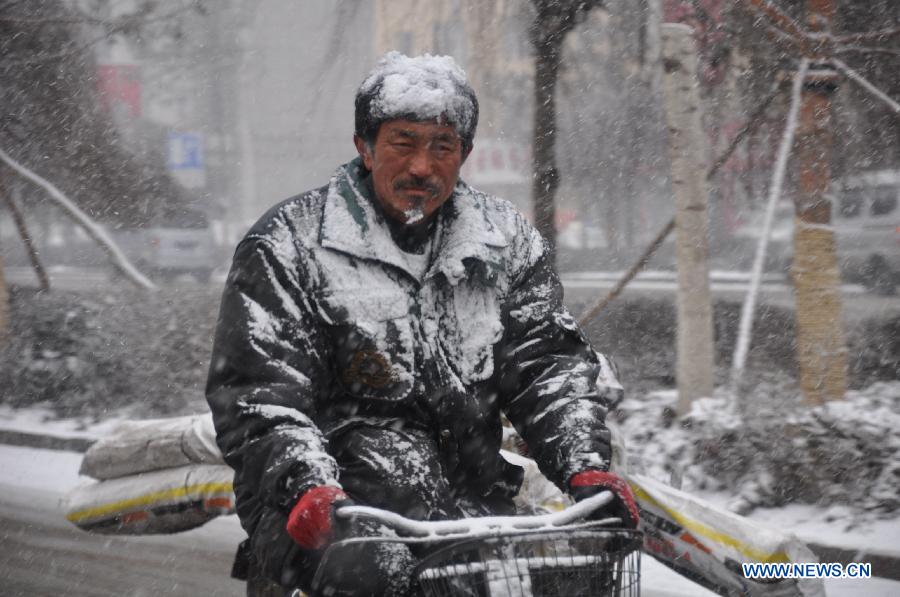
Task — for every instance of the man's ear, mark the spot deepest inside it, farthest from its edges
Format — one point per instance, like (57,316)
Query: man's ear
(364,151)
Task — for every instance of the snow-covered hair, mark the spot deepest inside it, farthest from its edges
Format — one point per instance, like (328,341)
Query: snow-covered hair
(420,88)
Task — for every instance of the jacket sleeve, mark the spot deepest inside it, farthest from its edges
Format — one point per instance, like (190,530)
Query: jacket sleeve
(269,361)
(556,389)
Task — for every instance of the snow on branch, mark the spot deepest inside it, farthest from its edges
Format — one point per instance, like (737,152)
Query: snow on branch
(749,306)
(93,229)
(855,76)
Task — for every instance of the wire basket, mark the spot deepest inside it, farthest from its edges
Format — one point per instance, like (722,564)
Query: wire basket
(584,562)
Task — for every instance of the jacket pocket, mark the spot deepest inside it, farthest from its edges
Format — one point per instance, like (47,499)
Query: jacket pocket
(372,342)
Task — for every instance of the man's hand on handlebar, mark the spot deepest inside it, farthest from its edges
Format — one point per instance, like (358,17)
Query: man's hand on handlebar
(311,519)
(591,482)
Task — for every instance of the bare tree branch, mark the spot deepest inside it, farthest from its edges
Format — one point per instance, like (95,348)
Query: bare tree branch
(779,19)
(748,128)
(642,261)
(752,123)
(867,50)
(856,77)
(44,58)
(111,27)
(853,38)
(93,230)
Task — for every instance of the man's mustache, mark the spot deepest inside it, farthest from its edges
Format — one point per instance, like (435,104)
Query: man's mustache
(417,184)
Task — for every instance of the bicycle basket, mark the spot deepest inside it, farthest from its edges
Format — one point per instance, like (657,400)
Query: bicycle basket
(564,563)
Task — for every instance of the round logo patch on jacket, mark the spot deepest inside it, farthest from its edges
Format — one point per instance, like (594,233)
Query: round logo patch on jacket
(369,367)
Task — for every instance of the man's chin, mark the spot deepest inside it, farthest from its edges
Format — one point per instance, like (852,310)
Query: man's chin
(414,217)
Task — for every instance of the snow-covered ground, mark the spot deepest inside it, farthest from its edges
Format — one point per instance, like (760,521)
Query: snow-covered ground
(55,472)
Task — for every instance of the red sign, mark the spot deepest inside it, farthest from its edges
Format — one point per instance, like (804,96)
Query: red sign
(120,88)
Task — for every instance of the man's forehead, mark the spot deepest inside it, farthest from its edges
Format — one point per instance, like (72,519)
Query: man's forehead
(418,129)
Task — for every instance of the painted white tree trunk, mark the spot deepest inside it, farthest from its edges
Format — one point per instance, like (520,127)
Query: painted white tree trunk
(94,230)
(688,150)
(749,307)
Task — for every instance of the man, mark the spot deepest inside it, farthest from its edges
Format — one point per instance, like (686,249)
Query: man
(373,330)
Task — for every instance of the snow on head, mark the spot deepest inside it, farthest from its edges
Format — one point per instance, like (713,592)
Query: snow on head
(424,87)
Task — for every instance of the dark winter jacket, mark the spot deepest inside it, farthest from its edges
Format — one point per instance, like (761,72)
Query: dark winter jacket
(324,326)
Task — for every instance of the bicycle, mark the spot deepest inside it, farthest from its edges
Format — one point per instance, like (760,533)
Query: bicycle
(549,555)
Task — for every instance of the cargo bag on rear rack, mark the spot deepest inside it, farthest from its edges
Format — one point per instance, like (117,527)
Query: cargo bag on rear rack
(154,444)
(166,501)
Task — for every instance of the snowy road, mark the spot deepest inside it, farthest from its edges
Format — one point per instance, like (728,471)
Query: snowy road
(585,288)
(582,288)
(42,554)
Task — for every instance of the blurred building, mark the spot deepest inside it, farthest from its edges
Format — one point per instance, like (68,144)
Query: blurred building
(268,88)
(488,39)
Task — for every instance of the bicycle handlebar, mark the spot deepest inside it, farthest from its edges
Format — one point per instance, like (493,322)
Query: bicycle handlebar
(486,525)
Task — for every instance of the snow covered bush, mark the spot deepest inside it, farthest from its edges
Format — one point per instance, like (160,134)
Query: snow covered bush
(84,353)
(776,451)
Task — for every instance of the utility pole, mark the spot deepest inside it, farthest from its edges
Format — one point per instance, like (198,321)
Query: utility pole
(821,348)
(687,148)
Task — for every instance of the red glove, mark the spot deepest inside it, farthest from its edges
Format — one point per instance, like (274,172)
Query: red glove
(591,482)
(309,523)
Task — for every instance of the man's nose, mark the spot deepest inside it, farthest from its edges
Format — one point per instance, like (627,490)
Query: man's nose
(420,164)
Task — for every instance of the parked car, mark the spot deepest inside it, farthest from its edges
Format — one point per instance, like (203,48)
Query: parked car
(169,251)
(866,216)
(866,221)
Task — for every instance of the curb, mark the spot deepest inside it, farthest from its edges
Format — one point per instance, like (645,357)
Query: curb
(883,565)
(47,442)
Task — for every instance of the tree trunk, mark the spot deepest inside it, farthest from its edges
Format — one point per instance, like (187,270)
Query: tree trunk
(4,301)
(821,350)
(546,177)
(4,305)
(39,271)
(687,146)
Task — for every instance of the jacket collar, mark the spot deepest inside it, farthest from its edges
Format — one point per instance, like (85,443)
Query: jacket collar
(351,225)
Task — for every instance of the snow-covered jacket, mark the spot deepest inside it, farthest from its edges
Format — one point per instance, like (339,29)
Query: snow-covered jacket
(324,325)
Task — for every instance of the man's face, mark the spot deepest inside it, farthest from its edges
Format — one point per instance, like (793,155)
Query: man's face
(414,166)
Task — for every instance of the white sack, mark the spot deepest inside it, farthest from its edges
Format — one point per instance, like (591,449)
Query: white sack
(140,446)
(166,501)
